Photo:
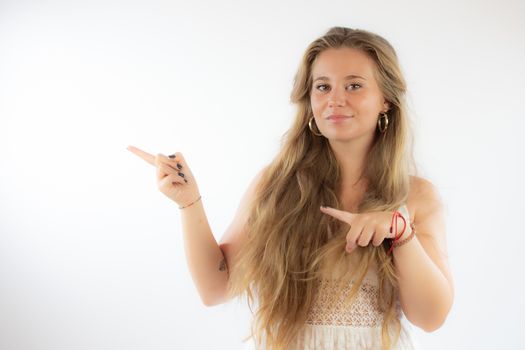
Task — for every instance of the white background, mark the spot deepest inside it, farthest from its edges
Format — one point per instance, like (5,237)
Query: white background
(91,253)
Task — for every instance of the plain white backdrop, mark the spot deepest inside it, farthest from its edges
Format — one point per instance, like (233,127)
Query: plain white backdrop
(91,253)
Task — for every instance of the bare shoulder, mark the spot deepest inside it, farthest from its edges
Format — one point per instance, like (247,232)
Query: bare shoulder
(418,184)
(423,197)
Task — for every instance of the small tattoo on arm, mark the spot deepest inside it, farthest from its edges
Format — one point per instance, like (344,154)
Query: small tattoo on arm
(222,265)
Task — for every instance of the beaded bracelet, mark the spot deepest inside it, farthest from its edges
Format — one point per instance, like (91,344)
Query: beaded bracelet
(195,201)
(400,243)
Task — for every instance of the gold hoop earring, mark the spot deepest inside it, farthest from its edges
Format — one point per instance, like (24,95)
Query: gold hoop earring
(382,122)
(312,129)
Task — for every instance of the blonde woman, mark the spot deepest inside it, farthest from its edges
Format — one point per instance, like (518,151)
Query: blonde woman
(354,274)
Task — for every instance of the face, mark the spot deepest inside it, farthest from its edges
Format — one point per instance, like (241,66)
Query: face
(344,84)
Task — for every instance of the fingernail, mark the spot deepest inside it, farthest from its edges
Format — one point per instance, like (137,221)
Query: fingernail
(181,174)
(171,156)
(179,166)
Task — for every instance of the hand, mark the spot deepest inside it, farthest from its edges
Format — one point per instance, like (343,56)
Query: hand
(366,227)
(174,177)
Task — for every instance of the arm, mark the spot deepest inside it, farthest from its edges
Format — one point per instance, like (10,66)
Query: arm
(203,255)
(425,281)
(207,261)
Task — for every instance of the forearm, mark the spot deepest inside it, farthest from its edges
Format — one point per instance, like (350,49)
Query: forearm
(205,259)
(425,293)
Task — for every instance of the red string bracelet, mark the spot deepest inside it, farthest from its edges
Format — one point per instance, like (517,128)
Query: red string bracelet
(406,240)
(394,224)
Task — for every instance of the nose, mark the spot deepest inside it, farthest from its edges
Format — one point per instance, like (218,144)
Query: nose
(337,97)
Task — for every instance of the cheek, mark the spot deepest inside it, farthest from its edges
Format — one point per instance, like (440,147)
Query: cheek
(315,103)
(370,102)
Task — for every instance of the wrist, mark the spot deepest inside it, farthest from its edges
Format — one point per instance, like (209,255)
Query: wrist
(405,230)
(399,226)
(407,227)
(404,240)
(191,203)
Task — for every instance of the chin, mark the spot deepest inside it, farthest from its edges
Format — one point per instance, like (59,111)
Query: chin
(340,137)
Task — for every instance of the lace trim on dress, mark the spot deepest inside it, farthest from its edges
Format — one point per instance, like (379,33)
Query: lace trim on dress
(364,311)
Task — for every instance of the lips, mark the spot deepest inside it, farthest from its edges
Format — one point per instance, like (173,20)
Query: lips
(338,117)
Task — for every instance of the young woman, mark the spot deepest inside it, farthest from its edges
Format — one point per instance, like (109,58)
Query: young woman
(349,275)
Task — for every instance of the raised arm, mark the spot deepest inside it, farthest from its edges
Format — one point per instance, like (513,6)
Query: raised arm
(207,261)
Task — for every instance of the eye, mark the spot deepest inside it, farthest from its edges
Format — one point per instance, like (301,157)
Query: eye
(320,86)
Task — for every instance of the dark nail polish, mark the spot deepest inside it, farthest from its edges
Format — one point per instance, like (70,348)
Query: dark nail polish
(179,166)
(185,180)
(181,174)
(171,156)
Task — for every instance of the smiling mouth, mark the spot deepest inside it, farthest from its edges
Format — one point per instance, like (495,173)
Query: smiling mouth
(338,116)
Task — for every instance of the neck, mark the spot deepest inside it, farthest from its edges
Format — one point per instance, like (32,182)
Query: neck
(351,156)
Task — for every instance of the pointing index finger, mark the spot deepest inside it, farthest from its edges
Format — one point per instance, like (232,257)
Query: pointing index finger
(338,214)
(144,155)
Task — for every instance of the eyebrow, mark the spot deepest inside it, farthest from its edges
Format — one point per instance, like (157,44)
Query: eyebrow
(351,76)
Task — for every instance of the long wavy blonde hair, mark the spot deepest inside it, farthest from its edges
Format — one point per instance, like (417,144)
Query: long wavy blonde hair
(290,243)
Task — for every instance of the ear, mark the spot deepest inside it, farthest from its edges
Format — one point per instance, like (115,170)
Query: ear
(386,106)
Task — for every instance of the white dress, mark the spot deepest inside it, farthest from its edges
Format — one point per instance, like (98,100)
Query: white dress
(354,327)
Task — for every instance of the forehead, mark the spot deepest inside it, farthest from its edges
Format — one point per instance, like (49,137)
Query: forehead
(340,62)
